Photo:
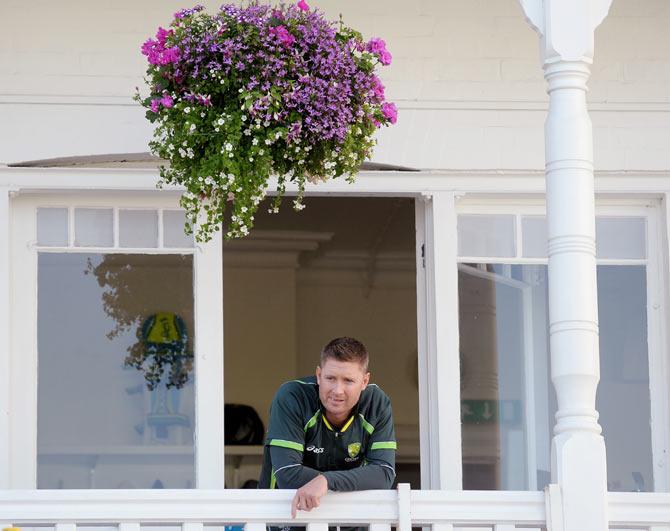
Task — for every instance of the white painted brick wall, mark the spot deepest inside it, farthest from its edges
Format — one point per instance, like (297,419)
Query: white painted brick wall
(464,60)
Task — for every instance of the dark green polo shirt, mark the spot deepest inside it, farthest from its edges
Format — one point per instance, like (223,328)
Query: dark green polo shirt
(298,425)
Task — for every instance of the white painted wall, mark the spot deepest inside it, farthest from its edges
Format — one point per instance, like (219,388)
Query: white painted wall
(466,76)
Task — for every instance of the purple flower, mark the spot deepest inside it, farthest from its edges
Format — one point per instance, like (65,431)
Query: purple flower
(183,13)
(377,88)
(390,112)
(303,5)
(155,105)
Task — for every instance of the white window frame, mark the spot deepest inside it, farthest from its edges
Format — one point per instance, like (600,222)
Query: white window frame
(445,193)
(208,337)
(654,211)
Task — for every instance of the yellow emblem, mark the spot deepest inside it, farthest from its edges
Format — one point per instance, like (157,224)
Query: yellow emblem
(353,449)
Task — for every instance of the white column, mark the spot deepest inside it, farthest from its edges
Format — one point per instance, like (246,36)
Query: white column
(5,379)
(579,468)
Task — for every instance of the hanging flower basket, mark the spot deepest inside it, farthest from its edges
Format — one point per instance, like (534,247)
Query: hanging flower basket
(258,91)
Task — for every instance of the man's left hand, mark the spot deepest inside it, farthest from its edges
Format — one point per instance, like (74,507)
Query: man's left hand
(309,495)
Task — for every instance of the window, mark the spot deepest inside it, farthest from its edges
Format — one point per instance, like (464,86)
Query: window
(114,285)
(508,402)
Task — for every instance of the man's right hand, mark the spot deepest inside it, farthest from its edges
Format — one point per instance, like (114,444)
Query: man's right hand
(309,495)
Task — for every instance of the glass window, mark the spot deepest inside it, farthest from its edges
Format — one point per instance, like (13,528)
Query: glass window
(486,235)
(94,227)
(534,230)
(622,237)
(103,321)
(508,402)
(138,228)
(52,227)
(173,232)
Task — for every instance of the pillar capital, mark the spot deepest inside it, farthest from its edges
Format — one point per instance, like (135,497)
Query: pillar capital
(566,27)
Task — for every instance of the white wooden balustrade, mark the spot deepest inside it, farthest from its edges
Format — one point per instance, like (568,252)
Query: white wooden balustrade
(198,510)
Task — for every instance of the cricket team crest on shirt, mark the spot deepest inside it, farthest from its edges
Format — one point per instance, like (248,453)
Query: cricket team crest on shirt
(353,449)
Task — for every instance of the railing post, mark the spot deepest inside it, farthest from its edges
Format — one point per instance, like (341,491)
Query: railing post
(578,449)
(404,508)
(554,507)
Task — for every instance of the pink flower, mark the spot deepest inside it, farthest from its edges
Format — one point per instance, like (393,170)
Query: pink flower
(167,101)
(162,34)
(155,105)
(377,46)
(303,5)
(283,35)
(385,57)
(171,55)
(390,112)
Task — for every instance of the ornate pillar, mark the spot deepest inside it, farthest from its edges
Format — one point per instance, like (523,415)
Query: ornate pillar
(566,29)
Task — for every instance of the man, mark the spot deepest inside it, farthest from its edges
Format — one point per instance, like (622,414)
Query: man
(333,432)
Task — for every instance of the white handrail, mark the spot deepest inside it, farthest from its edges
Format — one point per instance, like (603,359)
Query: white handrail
(443,510)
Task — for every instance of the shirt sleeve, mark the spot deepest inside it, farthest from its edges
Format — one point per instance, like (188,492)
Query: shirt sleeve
(285,427)
(288,472)
(382,445)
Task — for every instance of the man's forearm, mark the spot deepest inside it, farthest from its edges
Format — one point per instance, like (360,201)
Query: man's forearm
(368,477)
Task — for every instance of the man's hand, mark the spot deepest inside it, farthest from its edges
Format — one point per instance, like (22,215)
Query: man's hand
(309,495)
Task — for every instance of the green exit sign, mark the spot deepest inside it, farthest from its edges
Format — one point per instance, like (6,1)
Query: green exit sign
(490,411)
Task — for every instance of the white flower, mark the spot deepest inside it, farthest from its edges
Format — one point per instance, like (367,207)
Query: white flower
(244,210)
(268,142)
(261,152)
(228,146)
(254,142)
(251,159)
(220,121)
(244,117)
(230,155)
(192,128)
(187,110)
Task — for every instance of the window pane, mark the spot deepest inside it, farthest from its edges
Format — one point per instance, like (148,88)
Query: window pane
(93,227)
(138,228)
(508,402)
(99,426)
(486,236)
(174,235)
(534,231)
(621,237)
(52,227)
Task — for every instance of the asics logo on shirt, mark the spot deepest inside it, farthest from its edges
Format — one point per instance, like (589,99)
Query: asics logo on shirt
(314,449)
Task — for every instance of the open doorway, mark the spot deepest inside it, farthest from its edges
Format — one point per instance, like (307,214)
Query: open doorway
(343,266)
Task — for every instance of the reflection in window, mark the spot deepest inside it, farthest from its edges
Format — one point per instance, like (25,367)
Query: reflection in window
(508,402)
(99,423)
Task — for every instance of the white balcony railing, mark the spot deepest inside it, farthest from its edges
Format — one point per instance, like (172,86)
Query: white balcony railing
(207,510)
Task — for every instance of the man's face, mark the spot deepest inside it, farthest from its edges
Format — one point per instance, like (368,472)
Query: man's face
(340,386)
